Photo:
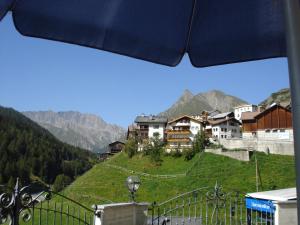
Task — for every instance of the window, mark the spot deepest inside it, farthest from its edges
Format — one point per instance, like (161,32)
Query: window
(221,136)
(282,130)
(267,131)
(155,126)
(274,131)
(225,136)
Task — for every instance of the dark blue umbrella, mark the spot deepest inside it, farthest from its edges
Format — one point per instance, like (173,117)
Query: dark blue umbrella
(162,31)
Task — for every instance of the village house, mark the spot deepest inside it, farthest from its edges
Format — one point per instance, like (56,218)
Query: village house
(112,149)
(274,123)
(145,127)
(181,132)
(244,108)
(116,147)
(223,126)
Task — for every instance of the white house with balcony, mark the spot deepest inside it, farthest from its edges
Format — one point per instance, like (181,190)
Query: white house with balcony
(238,110)
(147,126)
(181,132)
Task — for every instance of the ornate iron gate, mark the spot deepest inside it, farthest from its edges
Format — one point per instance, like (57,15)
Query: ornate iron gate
(36,204)
(208,207)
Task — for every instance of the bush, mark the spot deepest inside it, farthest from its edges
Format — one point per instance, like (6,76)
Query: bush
(200,142)
(188,154)
(61,181)
(131,147)
(154,149)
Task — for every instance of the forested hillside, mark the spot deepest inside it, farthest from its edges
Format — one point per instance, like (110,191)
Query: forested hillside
(28,151)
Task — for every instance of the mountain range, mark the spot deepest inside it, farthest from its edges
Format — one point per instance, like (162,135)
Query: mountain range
(91,132)
(29,151)
(190,104)
(86,131)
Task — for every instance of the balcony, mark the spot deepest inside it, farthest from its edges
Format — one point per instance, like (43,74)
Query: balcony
(178,132)
(179,140)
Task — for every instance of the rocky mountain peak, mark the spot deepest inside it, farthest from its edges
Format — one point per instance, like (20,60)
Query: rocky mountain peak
(84,130)
(194,104)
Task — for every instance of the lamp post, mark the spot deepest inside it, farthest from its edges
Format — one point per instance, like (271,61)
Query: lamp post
(133,183)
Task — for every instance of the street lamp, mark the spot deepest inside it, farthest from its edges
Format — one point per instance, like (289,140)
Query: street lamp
(133,183)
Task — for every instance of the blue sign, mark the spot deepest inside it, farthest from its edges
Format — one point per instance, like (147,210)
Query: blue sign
(260,205)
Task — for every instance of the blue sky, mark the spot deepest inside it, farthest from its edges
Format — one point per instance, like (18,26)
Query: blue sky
(39,74)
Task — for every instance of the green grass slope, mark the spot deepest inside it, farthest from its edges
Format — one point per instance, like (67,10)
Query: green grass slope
(104,183)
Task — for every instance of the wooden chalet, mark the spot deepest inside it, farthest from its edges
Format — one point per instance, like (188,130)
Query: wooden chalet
(275,118)
(116,147)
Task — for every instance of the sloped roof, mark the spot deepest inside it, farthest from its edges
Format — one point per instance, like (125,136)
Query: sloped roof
(271,107)
(216,122)
(221,115)
(150,119)
(249,115)
(180,117)
(276,195)
(244,105)
(113,143)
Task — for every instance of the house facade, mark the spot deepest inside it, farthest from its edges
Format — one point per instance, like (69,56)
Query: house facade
(147,126)
(274,123)
(181,132)
(224,128)
(244,108)
(116,147)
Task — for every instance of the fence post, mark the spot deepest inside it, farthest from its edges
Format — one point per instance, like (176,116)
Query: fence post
(16,204)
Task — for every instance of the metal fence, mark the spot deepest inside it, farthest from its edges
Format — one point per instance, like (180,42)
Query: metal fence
(209,207)
(36,204)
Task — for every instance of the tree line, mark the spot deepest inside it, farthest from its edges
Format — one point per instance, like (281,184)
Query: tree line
(29,152)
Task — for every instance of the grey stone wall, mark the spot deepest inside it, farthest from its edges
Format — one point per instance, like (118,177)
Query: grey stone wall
(280,147)
(239,155)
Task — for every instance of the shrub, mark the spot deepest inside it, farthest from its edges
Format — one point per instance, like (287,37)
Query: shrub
(200,142)
(131,147)
(188,154)
(155,148)
(61,181)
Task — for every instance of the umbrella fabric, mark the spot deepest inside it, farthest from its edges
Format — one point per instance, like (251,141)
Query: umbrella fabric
(5,5)
(161,31)
(235,30)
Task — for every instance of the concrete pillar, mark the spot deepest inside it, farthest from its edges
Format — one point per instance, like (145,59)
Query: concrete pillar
(121,214)
(285,213)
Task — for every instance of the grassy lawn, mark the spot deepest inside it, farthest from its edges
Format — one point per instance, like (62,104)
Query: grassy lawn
(103,184)
(143,164)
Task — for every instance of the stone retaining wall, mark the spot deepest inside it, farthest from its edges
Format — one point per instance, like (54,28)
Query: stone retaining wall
(269,146)
(239,155)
